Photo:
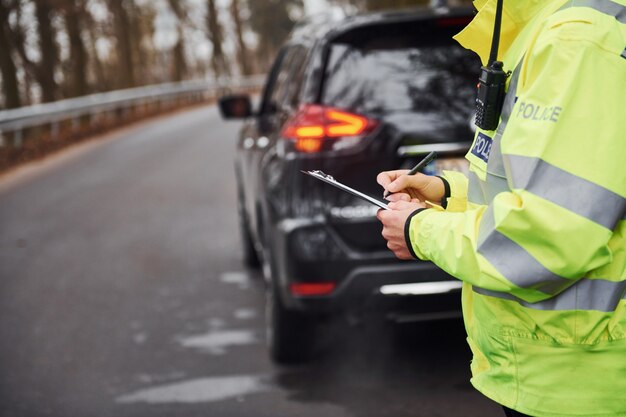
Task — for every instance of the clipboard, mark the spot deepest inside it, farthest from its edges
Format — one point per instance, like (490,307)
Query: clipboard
(330,180)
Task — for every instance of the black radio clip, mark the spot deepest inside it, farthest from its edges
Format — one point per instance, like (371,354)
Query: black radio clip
(491,83)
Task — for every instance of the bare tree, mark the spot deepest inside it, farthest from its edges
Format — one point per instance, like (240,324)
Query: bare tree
(272,21)
(10,86)
(74,14)
(121,22)
(141,34)
(100,78)
(49,62)
(215,33)
(179,67)
(242,49)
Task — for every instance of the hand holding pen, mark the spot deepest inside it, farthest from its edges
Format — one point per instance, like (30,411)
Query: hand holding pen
(409,185)
(420,165)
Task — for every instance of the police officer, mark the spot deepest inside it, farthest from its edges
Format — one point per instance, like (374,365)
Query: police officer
(537,230)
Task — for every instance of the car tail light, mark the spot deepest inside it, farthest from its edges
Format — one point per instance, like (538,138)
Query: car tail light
(313,125)
(312,288)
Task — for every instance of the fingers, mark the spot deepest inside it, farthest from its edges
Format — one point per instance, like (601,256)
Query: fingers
(393,228)
(380,215)
(400,251)
(407,181)
(386,177)
(406,205)
(398,197)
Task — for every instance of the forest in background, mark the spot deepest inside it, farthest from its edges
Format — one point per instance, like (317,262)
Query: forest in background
(57,49)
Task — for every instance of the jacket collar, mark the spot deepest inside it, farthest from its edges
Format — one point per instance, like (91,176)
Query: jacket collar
(515,14)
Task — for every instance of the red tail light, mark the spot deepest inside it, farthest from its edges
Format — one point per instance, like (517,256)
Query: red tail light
(313,125)
(312,288)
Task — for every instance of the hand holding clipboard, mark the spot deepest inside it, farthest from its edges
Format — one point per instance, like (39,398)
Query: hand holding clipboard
(330,180)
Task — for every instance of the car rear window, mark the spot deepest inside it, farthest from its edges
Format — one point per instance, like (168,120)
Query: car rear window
(402,68)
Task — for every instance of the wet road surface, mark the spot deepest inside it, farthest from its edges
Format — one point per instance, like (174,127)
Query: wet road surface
(122,294)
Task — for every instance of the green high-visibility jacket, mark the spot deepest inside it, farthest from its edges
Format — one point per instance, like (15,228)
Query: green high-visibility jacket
(537,231)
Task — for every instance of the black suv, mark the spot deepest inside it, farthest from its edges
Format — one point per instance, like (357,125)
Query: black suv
(351,97)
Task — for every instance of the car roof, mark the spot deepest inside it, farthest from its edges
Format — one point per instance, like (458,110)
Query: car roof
(327,26)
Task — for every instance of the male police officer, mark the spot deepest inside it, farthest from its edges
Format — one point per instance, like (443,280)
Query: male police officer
(537,232)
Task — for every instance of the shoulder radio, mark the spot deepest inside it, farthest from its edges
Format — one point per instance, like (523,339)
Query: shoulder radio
(491,83)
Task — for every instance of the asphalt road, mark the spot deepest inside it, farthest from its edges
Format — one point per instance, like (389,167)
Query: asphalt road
(122,294)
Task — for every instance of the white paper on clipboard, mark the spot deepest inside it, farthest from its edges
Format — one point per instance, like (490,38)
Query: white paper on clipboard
(330,180)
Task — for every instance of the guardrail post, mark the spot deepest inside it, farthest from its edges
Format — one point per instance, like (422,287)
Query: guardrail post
(54,129)
(18,137)
(91,119)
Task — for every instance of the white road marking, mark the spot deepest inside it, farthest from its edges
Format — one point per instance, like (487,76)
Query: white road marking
(238,278)
(197,390)
(217,342)
(245,314)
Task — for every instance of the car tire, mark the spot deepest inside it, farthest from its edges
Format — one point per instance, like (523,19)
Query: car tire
(249,255)
(291,335)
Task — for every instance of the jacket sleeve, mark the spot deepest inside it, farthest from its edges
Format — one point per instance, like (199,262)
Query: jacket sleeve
(564,154)
(456,191)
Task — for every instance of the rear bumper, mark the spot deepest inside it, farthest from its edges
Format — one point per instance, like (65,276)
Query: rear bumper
(365,280)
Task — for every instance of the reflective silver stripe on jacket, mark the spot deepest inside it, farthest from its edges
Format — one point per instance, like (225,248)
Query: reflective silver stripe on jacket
(553,184)
(566,190)
(487,226)
(516,264)
(586,294)
(603,6)
(475,189)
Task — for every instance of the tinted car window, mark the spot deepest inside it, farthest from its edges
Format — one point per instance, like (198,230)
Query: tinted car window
(268,106)
(292,89)
(414,78)
(289,78)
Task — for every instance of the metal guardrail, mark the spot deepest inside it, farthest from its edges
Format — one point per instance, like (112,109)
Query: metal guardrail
(16,120)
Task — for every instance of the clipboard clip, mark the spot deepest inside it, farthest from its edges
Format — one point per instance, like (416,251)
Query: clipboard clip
(319,173)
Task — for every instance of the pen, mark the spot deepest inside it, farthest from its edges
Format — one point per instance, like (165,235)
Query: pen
(421,164)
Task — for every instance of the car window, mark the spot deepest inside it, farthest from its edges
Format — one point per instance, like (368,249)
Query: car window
(406,73)
(267,105)
(289,78)
(294,84)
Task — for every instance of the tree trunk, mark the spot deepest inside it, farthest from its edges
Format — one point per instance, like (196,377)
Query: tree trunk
(74,13)
(242,49)
(124,47)
(179,66)
(218,61)
(49,50)
(272,22)
(139,27)
(101,80)
(10,86)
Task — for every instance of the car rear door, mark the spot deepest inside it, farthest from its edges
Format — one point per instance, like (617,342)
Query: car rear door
(259,142)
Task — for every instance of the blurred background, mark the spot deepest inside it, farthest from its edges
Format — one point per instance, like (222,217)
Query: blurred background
(57,49)
(53,50)
(122,286)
